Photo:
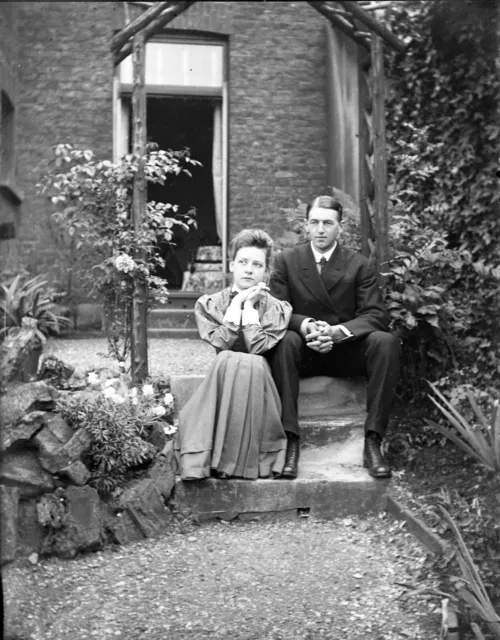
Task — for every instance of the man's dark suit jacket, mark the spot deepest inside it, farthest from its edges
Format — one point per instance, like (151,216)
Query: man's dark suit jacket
(346,292)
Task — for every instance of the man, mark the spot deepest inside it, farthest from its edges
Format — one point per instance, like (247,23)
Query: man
(339,327)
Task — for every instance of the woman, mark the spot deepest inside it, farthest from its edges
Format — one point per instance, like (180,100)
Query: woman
(232,426)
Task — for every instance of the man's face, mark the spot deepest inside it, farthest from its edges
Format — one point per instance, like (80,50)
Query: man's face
(323,228)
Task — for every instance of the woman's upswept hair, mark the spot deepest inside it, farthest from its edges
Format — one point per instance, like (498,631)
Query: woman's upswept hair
(252,238)
(325,202)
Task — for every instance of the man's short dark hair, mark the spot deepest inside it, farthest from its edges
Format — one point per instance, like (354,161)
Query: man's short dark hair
(325,202)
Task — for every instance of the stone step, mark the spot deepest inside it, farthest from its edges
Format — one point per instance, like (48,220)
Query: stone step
(171,319)
(319,397)
(331,483)
(192,334)
(181,300)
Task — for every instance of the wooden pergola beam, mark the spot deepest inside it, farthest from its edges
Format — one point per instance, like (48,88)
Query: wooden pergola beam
(375,6)
(374,25)
(123,36)
(153,27)
(340,22)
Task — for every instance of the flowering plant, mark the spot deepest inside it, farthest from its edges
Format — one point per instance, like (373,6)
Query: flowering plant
(109,255)
(121,420)
(145,405)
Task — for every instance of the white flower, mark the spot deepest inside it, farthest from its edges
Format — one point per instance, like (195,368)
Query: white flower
(169,429)
(133,393)
(110,383)
(148,391)
(159,411)
(168,399)
(109,392)
(121,365)
(93,378)
(117,399)
(124,263)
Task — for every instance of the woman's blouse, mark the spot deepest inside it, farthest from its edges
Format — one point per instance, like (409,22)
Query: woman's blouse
(261,331)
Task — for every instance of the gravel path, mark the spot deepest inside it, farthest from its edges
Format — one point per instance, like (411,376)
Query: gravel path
(301,578)
(243,581)
(166,356)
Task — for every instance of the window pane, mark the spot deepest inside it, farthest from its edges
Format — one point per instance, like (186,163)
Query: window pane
(179,64)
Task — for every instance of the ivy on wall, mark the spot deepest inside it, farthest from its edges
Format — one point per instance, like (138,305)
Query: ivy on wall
(443,130)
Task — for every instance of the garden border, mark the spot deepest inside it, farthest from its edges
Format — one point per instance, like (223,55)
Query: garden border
(428,539)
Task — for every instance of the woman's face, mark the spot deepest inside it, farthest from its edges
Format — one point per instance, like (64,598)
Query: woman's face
(248,267)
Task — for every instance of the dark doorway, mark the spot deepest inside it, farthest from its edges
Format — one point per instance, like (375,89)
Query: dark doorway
(175,123)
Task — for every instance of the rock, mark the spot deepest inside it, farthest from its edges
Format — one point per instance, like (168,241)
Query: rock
(82,395)
(77,473)
(57,425)
(21,468)
(33,558)
(122,527)
(78,444)
(51,510)
(55,456)
(162,474)
(49,448)
(157,437)
(81,528)
(9,502)
(84,517)
(77,381)
(20,352)
(23,430)
(145,505)
(29,530)
(21,399)
(55,371)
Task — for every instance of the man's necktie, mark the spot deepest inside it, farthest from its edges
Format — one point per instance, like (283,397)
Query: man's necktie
(321,264)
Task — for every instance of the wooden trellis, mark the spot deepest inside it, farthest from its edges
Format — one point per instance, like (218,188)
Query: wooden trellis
(353,19)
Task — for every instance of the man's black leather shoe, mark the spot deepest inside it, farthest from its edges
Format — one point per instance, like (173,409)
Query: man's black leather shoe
(291,467)
(373,459)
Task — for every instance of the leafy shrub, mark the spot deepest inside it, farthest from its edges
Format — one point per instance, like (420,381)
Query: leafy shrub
(93,201)
(443,133)
(22,298)
(471,589)
(481,439)
(119,421)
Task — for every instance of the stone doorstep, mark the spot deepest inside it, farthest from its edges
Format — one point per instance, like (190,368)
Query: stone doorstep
(320,396)
(173,334)
(171,319)
(332,483)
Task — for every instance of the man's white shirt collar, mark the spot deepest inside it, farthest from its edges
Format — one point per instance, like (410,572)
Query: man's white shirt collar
(327,255)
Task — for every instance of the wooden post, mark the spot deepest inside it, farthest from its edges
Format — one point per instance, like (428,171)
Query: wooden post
(379,153)
(139,328)
(364,143)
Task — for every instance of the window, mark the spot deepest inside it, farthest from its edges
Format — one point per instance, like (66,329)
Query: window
(186,107)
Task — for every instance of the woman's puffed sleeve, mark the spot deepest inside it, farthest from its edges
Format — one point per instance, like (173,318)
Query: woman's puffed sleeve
(211,325)
(259,338)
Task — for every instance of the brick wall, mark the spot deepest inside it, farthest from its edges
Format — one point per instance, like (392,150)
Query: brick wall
(277,102)
(9,211)
(65,95)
